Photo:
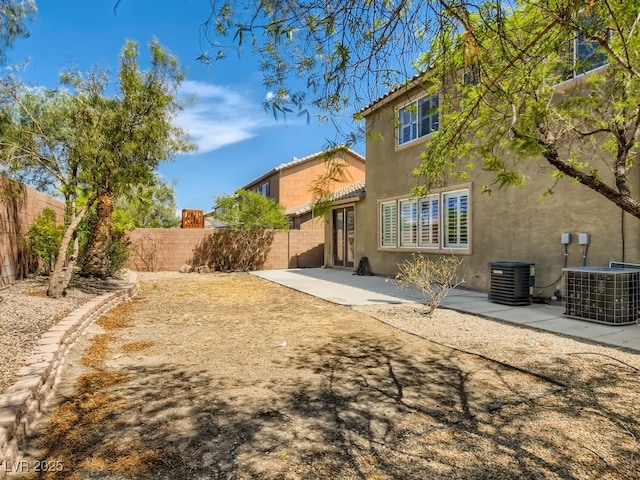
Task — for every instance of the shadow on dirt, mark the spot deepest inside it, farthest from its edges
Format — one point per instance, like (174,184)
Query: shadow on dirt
(370,411)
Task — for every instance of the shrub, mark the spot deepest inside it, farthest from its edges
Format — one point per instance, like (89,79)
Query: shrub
(229,250)
(118,252)
(434,278)
(44,237)
(145,258)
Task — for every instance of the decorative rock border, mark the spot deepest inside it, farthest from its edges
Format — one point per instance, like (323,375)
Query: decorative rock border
(37,378)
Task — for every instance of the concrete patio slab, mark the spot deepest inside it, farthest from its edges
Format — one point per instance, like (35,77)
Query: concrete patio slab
(345,288)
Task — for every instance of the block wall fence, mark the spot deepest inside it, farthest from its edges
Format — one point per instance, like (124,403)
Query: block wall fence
(167,249)
(19,206)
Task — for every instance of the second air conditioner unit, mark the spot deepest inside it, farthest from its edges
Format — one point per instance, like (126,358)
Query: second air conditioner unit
(602,294)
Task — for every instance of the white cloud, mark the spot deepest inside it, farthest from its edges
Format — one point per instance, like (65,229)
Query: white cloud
(220,116)
(271,96)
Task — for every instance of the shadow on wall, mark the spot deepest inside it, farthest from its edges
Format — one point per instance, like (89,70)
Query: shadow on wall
(19,206)
(13,199)
(312,258)
(232,250)
(167,249)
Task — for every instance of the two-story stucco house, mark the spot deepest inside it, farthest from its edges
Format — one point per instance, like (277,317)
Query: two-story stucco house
(514,224)
(291,184)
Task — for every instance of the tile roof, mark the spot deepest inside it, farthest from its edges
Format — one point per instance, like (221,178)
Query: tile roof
(297,161)
(353,190)
(401,88)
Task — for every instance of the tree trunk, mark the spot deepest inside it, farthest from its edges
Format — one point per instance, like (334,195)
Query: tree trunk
(59,280)
(622,199)
(67,273)
(96,261)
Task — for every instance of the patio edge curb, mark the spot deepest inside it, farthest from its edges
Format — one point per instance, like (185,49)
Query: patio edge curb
(36,380)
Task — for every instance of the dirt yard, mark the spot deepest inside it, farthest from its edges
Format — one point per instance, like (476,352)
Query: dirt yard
(228,376)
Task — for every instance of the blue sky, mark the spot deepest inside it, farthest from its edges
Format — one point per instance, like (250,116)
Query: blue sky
(238,141)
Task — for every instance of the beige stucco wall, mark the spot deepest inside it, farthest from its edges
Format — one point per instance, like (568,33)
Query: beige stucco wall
(512,225)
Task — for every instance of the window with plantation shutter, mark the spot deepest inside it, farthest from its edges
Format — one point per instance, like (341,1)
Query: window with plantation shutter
(456,219)
(408,223)
(388,224)
(429,222)
(438,222)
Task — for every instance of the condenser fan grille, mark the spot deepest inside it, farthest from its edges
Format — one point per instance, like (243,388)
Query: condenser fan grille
(602,294)
(511,282)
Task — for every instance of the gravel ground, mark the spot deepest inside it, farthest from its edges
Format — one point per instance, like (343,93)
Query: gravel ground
(543,352)
(26,313)
(230,376)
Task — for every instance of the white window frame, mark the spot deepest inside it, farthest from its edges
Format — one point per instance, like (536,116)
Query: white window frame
(388,224)
(408,222)
(418,119)
(579,66)
(427,223)
(429,213)
(458,200)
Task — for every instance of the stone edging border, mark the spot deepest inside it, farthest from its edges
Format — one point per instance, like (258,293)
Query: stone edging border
(36,380)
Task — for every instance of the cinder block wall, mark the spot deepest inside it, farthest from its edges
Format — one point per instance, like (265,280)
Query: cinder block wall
(19,206)
(174,247)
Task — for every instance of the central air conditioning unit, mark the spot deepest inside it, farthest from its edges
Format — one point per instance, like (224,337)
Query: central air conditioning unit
(511,282)
(602,294)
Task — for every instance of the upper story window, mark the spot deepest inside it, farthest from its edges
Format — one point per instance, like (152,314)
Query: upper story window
(471,76)
(418,119)
(584,54)
(263,189)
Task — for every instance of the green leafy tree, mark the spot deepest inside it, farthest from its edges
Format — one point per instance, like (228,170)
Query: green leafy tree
(147,206)
(44,237)
(88,145)
(535,100)
(246,210)
(13,14)
(128,134)
(351,52)
(37,138)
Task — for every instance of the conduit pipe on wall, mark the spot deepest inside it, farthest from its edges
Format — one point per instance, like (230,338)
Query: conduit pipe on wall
(583,239)
(566,261)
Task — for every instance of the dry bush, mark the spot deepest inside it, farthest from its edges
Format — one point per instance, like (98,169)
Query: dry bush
(145,257)
(230,250)
(434,278)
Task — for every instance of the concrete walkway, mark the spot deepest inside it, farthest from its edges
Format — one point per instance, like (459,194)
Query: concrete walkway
(344,288)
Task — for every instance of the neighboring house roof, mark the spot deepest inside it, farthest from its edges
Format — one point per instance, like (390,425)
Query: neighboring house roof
(297,161)
(213,223)
(354,190)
